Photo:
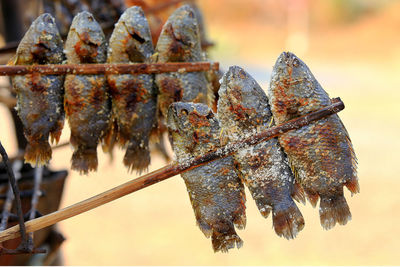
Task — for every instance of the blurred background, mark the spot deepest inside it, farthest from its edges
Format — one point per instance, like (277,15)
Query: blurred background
(352,48)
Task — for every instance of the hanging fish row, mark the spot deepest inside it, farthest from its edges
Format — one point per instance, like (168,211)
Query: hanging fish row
(315,161)
(115,108)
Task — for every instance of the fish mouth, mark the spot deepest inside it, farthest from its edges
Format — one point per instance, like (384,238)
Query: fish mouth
(173,117)
(289,59)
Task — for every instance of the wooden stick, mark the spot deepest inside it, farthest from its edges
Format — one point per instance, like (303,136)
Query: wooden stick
(136,68)
(167,172)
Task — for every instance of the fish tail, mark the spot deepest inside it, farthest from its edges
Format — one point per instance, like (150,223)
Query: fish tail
(38,153)
(137,156)
(225,238)
(288,222)
(332,210)
(298,193)
(84,160)
(353,186)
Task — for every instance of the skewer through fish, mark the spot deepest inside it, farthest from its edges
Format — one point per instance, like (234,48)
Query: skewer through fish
(321,153)
(243,111)
(215,191)
(40,97)
(133,96)
(87,103)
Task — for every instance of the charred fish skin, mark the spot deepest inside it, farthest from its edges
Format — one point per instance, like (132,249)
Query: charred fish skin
(134,97)
(215,191)
(87,104)
(320,153)
(40,97)
(243,111)
(179,41)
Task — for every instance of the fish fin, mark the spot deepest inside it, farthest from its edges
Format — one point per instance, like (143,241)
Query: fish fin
(239,219)
(298,193)
(137,156)
(223,137)
(264,210)
(84,160)
(204,227)
(55,134)
(110,139)
(13,60)
(211,97)
(312,197)
(38,153)
(332,210)
(353,185)
(288,222)
(224,237)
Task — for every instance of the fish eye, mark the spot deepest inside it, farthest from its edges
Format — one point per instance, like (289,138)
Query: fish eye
(209,116)
(184,112)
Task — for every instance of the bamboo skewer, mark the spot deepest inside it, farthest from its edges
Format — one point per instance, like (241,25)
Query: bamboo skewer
(167,172)
(134,68)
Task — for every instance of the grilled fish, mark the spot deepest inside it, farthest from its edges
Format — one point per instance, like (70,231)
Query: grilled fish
(243,110)
(321,153)
(179,42)
(87,103)
(40,97)
(133,96)
(215,190)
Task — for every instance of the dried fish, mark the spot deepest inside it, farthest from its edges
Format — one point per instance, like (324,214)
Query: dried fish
(87,103)
(243,110)
(179,42)
(321,153)
(215,190)
(40,97)
(133,96)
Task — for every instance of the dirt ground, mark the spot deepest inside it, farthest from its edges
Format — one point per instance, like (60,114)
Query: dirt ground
(156,226)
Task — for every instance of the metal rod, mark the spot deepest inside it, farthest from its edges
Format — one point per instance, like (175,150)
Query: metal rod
(134,68)
(167,172)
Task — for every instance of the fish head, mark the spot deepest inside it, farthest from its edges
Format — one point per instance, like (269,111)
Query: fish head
(42,44)
(242,104)
(294,75)
(194,124)
(91,44)
(180,36)
(140,46)
(293,90)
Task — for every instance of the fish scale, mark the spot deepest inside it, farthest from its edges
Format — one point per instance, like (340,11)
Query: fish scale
(321,153)
(243,111)
(215,191)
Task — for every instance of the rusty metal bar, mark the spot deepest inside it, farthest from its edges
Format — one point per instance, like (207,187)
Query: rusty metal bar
(169,171)
(134,68)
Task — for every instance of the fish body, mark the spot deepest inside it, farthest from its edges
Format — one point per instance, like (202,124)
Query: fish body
(87,104)
(243,111)
(134,99)
(179,41)
(321,153)
(215,191)
(40,97)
